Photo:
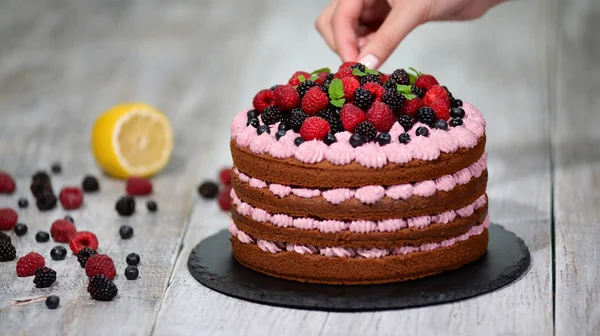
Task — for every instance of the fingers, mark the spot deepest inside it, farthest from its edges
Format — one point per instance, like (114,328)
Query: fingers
(345,23)
(323,24)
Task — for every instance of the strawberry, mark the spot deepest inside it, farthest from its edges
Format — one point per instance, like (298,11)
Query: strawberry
(437,98)
(294,79)
(286,97)
(7,184)
(343,73)
(381,116)
(314,101)
(411,107)
(351,116)
(28,264)
(314,128)
(426,81)
(376,89)
(8,218)
(62,230)
(262,100)
(350,85)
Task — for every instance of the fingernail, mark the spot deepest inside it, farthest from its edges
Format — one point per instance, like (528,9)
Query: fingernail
(370,61)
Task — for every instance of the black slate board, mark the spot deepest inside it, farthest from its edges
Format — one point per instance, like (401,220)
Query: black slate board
(213,265)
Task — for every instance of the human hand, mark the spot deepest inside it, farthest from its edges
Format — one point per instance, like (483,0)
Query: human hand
(369,31)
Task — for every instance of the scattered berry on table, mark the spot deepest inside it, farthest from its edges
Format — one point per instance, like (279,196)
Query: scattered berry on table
(44,277)
(351,116)
(393,99)
(406,121)
(441,124)
(356,140)
(295,80)
(69,218)
(58,253)
(456,122)
(90,184)
(23,203)
(29,263)
(262,129)
(131,272)
(82,239)
(46,201)
(224,199)
(314,128)
(20,229)
(426,81)
(367,131)
(138,186)
(125,206)
(8,218)
(262,100)
(427,116)
(4,238)
(62,230)
(457,112)
(102,288)
(298,141)
(132,259)
(404,138)
(384,138)
(314,101)
(371,78)
(400,76)
(329,139)
(84,254)
(422,131)
(303,87)
(437,99)
(7,251)
(286,97)
(56,168)
(52,302)
(363,98)
(252,114)
(100,264)
(40,182)
(71,198)
(297,117)
(254,122)
(42,237)
(208,189)
(152,206)
(271,115)
(376,90)
(225,176)
(350,85)
(7,183)
(381,116)
(126,232)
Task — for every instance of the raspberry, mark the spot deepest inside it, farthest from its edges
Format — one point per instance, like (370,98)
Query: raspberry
(100,264)
(7,184)
(411,107)
(84,254)
(346,65)
(44,277)
(400,76)
(286,97)
(263,99)
(370,78)
(138,186)
(351,116)
(321,77)
(125,206)
(102,288)
(83,239)
(366,130)
(363,98)
(427,116)
(304,87)
(7,251)
(332,116)
(314,128)
(62,230)
(350,85)
(28,264)
(437,98)
(393,99)
(271,115)
(343,73)
(224,199)
(426,82)
(8,218)
(225,176)
(376,90)
(314,101)
(406,122)
(381,116)
(294,79)
(297,117)
(71,198)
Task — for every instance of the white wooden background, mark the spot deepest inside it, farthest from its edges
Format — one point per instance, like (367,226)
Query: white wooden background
(533,67)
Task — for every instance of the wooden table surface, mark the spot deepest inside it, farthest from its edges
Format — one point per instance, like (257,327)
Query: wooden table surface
(532,67)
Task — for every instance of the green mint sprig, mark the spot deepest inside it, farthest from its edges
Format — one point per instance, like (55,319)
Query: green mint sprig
(406,91)
(301,78)
(318,71)
(336,92)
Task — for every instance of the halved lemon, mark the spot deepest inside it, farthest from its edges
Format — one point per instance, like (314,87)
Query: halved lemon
(132,139)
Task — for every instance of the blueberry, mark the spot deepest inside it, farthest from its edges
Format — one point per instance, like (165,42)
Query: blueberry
(356,140)
(459,102)
(279,134)
(58,253)
(131,272)
(384,138)
(133,259)
(126,232)
(70,219)
(254,122)
(456,122)
(151,205)
(252,114)
(125,206)
(20,229)
(298,141)
(52,302)
(56,168)
(441,124)
(329,139)
(262,129)
(422,131)
(42,237)
(283,126)
(208,189)
(404,138)
(23,202)
(90,184)
(457,112)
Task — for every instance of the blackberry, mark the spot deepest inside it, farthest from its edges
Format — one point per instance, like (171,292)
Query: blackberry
(417,91)
(426,115)
(363,98)
(384,138)
(126,232)
(422,131)
(70,219)
(7,251)
(441,124)
(359,66)
(303,87)
(393,99)
(252,114)
(390,84)
(457,112)
(400,76)
(279,134)
(284,125)
(131,272)
(40,183)
(56,168)
(90,184)
(254,122)
(262,129)
(297,117)
(125,206)
(132,259)
(366,130)
(271,115)
(298,141)
(44,277)
(208,189)
(4,238)
(326,82)
(447,91)
(84,254)
(23,202)
(58,253)
(405,121)
(20,229)
(370,78)
(404,138)
(151,205)
(52,302)
(42,237)
(101,288)
(46,201)
(356,140)
(332,115)
(456,122)
(274,87)
(329,139)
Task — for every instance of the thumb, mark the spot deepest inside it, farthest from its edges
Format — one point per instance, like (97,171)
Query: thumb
(384,41)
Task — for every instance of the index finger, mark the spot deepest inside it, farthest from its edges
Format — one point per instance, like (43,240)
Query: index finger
(344,23)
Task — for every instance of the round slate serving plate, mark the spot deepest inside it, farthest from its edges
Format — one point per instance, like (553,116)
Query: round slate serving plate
(213,265)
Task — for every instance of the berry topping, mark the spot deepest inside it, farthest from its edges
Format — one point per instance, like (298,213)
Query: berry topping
(286,97)
(44,277)
(23,203)
(458,102)
(8,218)
(298,141)
(456,122)
(208,189)
(295,79)
(417,91)
(84,254)
(100,264)
(62,230)
(58,253)
(304,87)
(42,237)
(381,116)
(376,90)
(254,122)
(7,184)
(314,128)
(427,116)
(7,251)
(102,288)
(126,232)
(441,124)
(271,115)
(90,184)
(457,112)
(332,116)
(437,99)
(46,201)
(151,206)
(384,138)
(138,186)
(131,272)
(422,131)
(262,129)
(404,138)
(20,229)
(56,168)
(329,139)
(344,73)
(363,98)
(405,121)
(262,100)
(71,198)
(370,78)
(393,99)
(224,199)
(284,125)
(279,134)
(28,264)
(347,65)
(252,114)
(351,115)
(356,140)
(400,76)
(297,117)
(350,85)
(321,77)
(52,302)
(367,131)
(411,107)
(358,66)
(132,259)
(426,81)
(83,239)
(314,101)
(125,206)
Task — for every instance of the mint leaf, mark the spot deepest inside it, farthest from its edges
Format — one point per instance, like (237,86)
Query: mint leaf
(338,102)
(301,79)
(409,96)
(357,72)
(413,78)
(318,71)
(418,73)
(336,89)
(406,89)
(372,72)
(314,78)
